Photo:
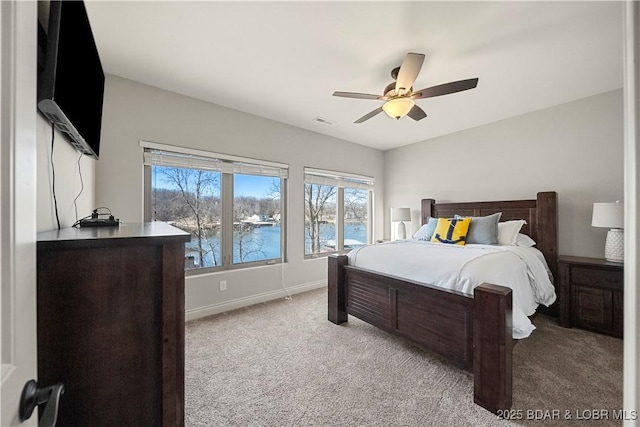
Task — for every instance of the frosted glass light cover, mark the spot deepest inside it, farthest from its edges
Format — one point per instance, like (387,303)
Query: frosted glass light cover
(398,107)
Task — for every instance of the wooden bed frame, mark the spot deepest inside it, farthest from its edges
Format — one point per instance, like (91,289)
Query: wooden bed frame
(474,333)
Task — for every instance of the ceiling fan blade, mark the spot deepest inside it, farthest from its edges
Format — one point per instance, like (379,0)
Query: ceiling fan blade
(408,72)
(357,95)
(369,115)
(445,89)
(416,113)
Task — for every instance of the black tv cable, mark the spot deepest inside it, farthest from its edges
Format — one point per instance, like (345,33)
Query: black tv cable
(53,175)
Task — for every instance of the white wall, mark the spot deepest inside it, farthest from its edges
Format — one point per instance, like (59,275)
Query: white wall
(67,180)
(134,112)
(575,149)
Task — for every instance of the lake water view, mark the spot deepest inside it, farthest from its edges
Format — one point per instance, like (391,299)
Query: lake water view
(264,243)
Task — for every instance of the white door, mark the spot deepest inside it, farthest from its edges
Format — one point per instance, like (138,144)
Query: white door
(18,47)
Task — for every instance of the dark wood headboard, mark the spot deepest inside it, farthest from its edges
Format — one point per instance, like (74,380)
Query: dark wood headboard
(541,215)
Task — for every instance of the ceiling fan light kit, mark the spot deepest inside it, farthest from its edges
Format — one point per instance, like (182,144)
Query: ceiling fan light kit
(398,107)
(400,96)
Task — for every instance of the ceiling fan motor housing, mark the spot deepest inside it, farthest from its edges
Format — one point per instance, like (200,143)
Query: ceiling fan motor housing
(394,73)
(390,90)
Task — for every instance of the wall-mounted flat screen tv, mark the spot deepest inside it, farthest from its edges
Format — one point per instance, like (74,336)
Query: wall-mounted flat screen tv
(71,80)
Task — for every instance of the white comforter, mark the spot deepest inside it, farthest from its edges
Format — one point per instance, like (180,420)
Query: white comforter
(462,268)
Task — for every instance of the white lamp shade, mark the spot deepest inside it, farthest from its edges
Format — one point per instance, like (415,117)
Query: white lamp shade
(400,214)
(608,215)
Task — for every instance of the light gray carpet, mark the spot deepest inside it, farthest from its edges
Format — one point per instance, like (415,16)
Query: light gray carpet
(283,363)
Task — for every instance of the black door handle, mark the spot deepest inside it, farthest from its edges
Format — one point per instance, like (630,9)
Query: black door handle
(32,396)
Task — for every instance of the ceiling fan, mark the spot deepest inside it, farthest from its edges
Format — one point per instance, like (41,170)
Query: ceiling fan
(400,96)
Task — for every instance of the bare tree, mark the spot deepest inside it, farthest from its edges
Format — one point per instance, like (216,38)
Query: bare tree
(245,240)
(355,205)
(247,243)
(214,248)
(196,187)
(274,195)
(316,197)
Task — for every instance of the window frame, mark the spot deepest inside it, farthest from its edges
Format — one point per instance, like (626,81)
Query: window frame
(341,181)
(229,166)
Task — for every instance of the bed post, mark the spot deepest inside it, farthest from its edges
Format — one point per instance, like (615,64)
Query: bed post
(428,210)
(547,233)
(492,346)
(337,290)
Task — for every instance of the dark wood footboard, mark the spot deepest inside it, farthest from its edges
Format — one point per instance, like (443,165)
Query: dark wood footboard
(472,332)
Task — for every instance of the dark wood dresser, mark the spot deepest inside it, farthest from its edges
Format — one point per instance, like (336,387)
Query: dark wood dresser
(111,323)
(590,294)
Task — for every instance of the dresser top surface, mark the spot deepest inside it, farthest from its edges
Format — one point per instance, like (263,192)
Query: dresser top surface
(149,230)
(589,261)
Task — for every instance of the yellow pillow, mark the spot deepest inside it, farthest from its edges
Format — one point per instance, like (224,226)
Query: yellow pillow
(451,231)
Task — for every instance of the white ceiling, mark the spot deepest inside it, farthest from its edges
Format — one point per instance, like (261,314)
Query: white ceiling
(283,60)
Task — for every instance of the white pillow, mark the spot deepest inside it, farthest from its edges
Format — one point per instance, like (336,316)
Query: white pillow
(508,231)
(524,240)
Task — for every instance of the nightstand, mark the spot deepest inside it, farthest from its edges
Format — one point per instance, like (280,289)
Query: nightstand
(590,294)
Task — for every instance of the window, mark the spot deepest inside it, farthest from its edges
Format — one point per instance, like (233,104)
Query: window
(337,211)
(232,207)
(257,232)
(356,218)
(319,218)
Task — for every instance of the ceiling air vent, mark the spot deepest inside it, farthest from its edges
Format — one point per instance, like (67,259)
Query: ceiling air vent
(323,121)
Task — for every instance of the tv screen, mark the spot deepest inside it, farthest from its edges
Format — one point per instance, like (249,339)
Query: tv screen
(71,83)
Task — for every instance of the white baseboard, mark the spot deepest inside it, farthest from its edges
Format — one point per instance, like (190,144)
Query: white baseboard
(197,313)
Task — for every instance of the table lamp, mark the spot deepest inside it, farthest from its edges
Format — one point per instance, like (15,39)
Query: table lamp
(611,215)
(401,215)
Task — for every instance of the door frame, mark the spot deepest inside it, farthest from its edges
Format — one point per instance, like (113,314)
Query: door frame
(18,118)
(631,94)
